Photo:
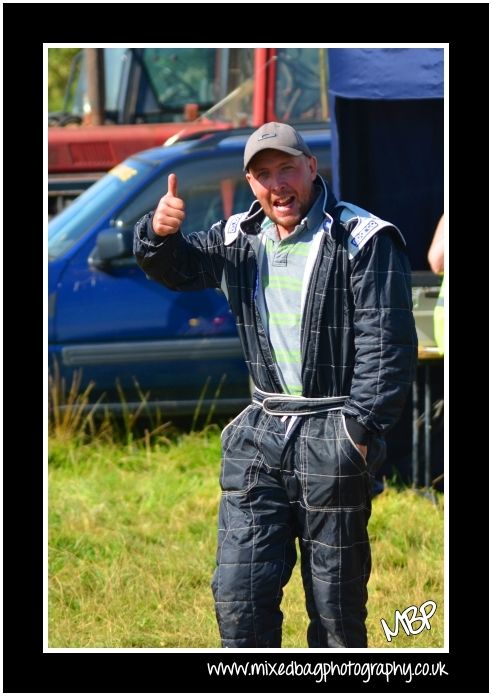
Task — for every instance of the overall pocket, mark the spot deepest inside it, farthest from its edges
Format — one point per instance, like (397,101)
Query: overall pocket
(352,445)
(333,472)
(376,449)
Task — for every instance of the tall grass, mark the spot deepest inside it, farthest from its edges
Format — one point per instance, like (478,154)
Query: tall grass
(74,417)
(69,415)
(132,549)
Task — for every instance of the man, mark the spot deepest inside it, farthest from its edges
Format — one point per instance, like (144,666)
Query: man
(321,296)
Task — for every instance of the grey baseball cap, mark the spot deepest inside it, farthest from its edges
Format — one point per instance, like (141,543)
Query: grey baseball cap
(275,136)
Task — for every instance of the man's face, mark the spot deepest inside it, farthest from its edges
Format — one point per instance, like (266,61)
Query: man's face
(283,184)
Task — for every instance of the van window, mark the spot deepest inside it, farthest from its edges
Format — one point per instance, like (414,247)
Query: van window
(65,229)
(212,189)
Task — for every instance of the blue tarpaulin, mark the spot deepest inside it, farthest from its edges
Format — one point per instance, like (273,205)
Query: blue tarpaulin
(387,73)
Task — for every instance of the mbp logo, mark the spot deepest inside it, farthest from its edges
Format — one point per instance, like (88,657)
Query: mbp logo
(410,616)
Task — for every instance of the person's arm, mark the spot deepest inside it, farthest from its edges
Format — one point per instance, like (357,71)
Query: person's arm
(385,336)
(435,256)
(193,262)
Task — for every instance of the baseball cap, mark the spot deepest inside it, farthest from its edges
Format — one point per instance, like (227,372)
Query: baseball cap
(275,136)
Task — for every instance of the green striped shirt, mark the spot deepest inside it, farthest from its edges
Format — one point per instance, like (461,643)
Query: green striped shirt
(282,273)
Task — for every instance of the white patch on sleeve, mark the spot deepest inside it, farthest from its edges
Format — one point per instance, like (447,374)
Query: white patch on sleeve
(366,227)
(232,228)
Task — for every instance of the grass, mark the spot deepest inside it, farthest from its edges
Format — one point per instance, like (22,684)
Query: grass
(132,549)
(122,525)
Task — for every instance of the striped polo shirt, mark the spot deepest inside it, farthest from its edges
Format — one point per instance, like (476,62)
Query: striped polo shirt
(283,264)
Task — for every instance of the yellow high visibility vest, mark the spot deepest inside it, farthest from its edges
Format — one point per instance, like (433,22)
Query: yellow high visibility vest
(439,320)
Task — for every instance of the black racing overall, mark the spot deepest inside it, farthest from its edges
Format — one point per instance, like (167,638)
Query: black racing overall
(289,466)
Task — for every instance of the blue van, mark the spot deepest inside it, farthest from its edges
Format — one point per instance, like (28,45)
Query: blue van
(126,332)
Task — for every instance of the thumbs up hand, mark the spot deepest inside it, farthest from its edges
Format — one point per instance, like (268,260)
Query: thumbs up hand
(170,212)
